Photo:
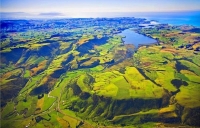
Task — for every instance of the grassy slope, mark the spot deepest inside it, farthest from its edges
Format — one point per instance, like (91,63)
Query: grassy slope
(157,63)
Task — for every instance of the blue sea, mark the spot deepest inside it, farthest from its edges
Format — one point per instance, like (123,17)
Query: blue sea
(174,18)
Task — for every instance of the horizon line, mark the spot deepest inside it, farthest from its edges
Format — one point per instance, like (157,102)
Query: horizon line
(100,11)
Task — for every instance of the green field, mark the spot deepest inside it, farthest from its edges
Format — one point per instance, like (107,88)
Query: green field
(85,77)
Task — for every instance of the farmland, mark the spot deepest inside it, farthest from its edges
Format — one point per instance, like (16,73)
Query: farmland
(79,73)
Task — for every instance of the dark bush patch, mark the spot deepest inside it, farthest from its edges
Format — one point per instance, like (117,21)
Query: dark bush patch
(38,119)
(40,90)
(177,83)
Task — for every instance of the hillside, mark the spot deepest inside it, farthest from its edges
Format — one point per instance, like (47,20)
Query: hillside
(79,73)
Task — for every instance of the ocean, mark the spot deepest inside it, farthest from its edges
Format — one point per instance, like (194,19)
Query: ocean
(174,18)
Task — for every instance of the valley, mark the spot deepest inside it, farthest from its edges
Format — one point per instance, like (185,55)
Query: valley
(79,73)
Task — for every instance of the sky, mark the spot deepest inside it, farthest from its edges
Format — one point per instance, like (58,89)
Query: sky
(78,8)
(62,6)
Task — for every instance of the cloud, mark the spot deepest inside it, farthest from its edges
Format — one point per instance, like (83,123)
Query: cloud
(51,14)
(15,15)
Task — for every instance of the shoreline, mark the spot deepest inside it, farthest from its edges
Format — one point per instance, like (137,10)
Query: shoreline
(139,44)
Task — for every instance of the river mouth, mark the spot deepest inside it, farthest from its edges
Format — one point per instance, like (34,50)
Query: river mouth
(131,37)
